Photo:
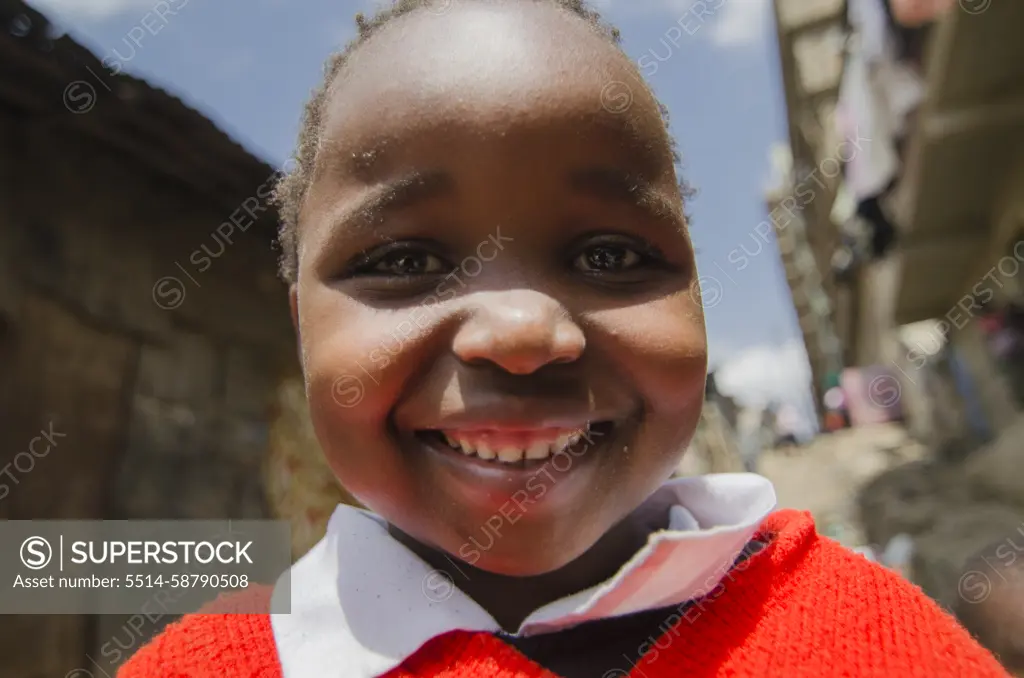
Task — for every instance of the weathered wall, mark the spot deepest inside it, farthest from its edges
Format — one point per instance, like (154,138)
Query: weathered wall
(301,488)
(157,399)
(714,448)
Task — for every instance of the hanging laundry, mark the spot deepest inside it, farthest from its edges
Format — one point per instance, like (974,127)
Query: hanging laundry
(864,122)
(869,22)
(910,24)
(915,13)
(877,94)
(883,233)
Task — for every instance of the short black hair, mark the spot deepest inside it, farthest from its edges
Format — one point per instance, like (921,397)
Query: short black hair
(295,181)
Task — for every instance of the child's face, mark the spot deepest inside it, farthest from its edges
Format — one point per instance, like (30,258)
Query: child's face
(474,259)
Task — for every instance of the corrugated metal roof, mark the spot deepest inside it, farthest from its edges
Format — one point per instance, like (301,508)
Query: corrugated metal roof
(55,79)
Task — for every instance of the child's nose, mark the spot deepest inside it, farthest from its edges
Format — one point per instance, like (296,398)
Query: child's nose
(520,331)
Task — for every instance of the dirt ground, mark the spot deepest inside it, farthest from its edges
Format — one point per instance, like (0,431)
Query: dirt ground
(823,477)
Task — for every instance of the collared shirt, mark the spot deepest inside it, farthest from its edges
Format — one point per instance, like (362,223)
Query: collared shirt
(361,602)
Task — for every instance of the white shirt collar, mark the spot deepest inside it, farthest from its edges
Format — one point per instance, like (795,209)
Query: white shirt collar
(361,602)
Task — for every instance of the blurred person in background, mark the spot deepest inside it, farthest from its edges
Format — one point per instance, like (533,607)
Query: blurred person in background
(837,415)
(787,426)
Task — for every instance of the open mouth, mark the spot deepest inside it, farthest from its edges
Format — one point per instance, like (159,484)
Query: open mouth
(521,449)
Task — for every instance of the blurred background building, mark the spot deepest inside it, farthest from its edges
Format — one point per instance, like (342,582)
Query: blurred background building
(807,177)
(898,202)
(906,170)
(717,444)
(142,324)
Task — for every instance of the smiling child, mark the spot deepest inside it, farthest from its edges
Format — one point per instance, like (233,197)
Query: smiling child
(494,290)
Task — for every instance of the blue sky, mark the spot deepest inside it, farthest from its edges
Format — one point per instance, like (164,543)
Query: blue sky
(250,64)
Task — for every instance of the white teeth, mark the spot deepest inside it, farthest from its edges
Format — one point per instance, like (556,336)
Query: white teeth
(510,455)
(539,450)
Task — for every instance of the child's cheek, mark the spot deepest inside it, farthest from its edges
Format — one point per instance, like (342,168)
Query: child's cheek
(665,354)
(360,373)
(348,381)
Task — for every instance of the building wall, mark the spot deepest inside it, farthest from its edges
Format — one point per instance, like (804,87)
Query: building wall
(161,413)
(998,273)
(301,487)
(715,447)
(877,282)
(809,38)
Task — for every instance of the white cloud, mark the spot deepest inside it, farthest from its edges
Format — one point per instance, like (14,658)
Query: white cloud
(727,23)
(763,374)
(767,374)
(741,23)
(90,10)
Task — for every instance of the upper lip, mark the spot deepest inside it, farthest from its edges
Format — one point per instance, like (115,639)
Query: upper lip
(470,421)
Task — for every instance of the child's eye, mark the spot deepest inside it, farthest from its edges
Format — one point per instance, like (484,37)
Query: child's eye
(611,253)
(409,263)
(401,261)
(608,258)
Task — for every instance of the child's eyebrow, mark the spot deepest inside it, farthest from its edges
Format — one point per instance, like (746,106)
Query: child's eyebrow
(606,183)
(405,191)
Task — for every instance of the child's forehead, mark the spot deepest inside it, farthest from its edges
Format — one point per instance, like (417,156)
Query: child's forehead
(497,65)
(477,48)
(479,26)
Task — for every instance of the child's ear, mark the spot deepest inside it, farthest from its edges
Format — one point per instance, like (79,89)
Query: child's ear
(293,304)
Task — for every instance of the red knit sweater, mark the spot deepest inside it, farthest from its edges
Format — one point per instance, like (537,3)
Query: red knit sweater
(803,607)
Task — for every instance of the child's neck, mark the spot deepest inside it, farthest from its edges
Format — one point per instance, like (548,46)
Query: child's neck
(510,600)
